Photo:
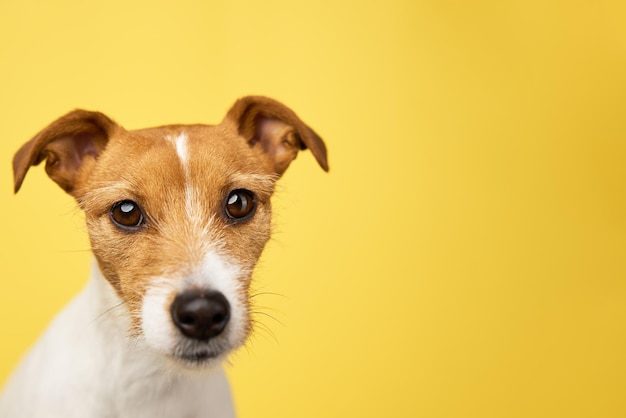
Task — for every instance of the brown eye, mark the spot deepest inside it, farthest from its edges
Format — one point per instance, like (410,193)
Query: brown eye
(126,214)
(240,204)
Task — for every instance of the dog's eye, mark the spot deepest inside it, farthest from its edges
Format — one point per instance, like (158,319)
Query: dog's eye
(126,214)
(240,204)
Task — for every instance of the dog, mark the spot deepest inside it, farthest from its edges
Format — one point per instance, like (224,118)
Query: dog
(177,218)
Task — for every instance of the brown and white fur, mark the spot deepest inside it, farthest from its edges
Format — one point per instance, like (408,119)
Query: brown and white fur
(122,348)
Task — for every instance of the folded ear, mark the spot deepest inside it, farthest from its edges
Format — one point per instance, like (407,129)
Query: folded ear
(64,144)
(276,131)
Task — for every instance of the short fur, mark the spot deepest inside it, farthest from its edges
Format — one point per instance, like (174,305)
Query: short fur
(114,351)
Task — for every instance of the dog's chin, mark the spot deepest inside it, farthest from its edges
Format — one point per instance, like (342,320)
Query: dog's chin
(198,360)
(195,356)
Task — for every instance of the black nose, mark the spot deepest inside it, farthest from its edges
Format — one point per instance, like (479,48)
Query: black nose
(200,315)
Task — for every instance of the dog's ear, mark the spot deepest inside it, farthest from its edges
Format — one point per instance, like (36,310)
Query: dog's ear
(64,144)
(276,131)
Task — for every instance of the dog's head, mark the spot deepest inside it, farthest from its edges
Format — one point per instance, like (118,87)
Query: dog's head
(177,215)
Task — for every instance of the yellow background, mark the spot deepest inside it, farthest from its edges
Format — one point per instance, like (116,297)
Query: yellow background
(465,257)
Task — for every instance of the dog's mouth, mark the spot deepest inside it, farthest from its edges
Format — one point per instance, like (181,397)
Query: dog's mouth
(200,354)
(199,357)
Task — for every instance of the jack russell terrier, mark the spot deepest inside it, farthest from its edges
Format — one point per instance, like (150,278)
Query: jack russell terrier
(177,218)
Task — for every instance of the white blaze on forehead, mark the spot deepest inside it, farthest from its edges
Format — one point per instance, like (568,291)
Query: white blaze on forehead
(181,150)
(193,205)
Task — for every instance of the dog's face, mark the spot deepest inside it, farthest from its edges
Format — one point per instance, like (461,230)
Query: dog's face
(178,215)
(178,211)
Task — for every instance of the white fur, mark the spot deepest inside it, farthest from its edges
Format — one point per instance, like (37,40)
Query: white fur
(181,150)
(104,373)
(192,203)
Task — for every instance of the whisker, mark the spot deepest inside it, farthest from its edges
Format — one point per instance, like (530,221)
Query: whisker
(259,326)
(266,308)
(254,295)
(269,316)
